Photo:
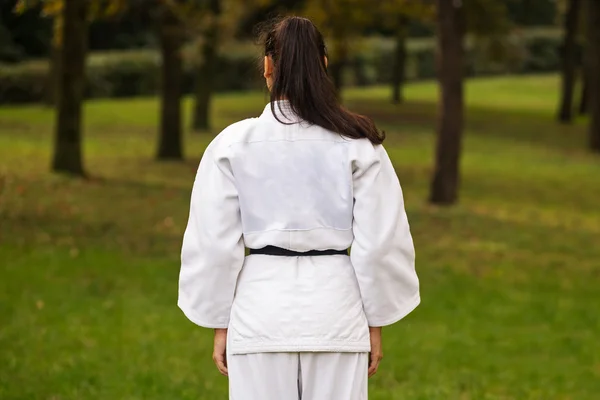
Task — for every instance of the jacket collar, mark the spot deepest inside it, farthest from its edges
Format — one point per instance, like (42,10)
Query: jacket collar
(283,111)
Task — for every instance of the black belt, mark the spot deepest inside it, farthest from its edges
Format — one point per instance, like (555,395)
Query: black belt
(278,251)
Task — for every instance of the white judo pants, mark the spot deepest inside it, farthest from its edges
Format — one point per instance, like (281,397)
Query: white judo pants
(298,376)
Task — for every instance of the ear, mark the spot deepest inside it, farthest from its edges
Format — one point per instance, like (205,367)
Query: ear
(326,61)
(268,67)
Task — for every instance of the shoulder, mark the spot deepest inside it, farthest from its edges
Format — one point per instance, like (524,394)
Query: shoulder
(364,149)
(364,155)
(232,134)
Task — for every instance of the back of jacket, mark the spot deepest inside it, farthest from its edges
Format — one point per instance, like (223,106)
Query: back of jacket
(294,182)
(301,187)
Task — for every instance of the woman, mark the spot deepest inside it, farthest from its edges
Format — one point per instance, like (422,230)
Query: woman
(298,186)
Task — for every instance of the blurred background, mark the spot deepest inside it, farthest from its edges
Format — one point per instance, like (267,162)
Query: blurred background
(492,111)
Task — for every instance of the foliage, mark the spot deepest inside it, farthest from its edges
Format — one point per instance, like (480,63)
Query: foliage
(52,8)
(125,74)
(8,50)
(135,73)
(215,20)
(133,28)
(88,269)
(391,12)
(340,21)
(532,12)
(486,17)
(97,9)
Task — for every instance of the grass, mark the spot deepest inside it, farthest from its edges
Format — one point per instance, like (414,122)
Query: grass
(88,269)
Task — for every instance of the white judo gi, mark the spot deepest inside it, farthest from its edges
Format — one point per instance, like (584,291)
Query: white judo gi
(299,187)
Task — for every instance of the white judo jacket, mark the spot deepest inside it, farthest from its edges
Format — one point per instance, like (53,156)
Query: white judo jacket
(299,187)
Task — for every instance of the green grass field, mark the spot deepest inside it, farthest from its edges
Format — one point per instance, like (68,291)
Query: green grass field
(510,277)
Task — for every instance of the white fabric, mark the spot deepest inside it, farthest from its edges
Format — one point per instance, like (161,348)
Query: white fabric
(298,376)
(297,304)
(300,187)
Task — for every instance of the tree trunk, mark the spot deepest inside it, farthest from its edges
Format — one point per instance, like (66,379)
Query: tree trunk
(206,73)
(170,143)
(569,61)
(337,65)
(593,58)
(360,77)
(52,78)
(336,69)
(71,81)
(585,92)
(399,63)
(450,64)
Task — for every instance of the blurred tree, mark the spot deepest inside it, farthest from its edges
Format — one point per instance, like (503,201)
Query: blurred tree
(178,19)
(212,22)
(340,21)
(54,10)
(397,16)
(51,9)
(72,31)
(569,60)
(209,51)
(454,19)
(71,81)
(70,41)
(399,63)
(451,29)
(171,35)
(593,71)
(583,100)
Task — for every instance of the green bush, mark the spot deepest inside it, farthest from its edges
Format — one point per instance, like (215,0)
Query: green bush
(137,73)
(531,51)
(123,74)
(23,83)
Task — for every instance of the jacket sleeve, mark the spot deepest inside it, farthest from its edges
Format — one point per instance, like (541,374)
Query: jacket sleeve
(382,253)
(213,249)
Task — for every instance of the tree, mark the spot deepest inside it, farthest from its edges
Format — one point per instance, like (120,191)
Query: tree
(211,23)
(569,60)
(454,19)
(397,15)
(340,21)
(171,38)
(583,100)
(53,63)
(218,21)
(450,64)
(593,69)
(70,36)
(71,82)
(53,10)
(71,30)
(203,85)
(399,63)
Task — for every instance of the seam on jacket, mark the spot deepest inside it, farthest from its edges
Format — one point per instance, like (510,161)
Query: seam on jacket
(298,230)
(289,140)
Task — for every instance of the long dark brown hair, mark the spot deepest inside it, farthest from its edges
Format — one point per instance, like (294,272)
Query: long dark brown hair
(300,76)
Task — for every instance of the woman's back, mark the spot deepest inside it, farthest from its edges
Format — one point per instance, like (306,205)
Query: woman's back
(294,181)
(299,186)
